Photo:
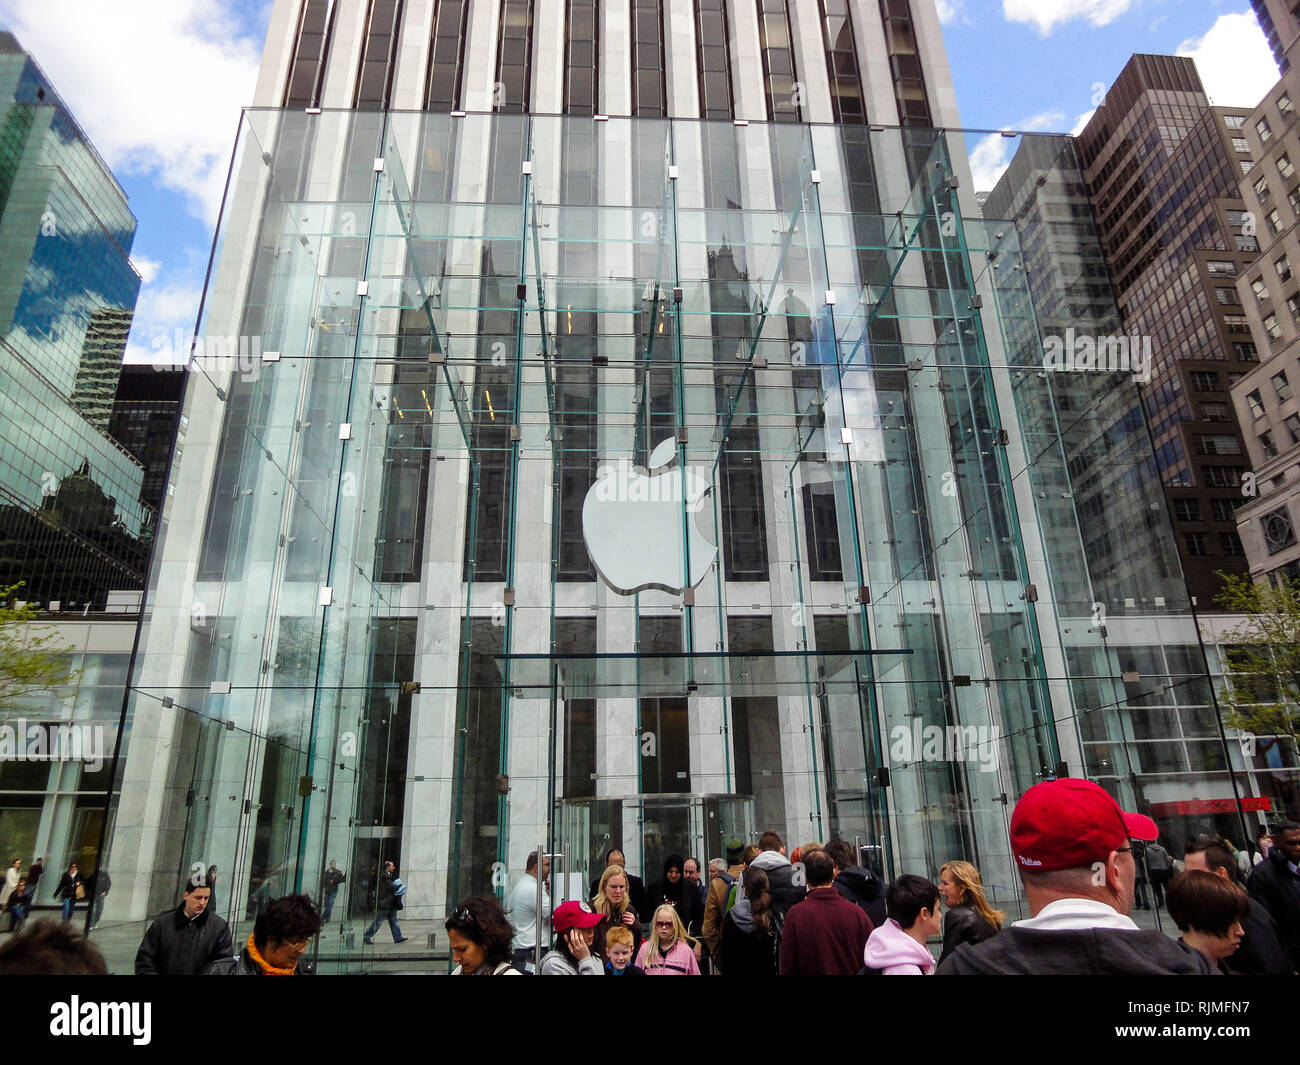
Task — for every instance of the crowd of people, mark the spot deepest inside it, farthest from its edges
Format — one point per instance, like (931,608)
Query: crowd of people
(759,912)
(1084,866)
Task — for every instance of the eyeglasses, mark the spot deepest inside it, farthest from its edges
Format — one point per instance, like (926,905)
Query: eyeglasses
(663,924)
(463,915)
(302,945)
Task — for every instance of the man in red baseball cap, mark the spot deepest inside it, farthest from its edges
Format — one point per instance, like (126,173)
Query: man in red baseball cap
(1071,842)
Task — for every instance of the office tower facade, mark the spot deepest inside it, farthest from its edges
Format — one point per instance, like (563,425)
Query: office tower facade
(73,528)
(75,532)
(1264,397)
(647,444)
(1163,168)
(146,420)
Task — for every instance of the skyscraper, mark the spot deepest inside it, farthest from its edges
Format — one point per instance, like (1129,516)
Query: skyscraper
(73,528)
(1163,167)
(616,424)
(1264,397)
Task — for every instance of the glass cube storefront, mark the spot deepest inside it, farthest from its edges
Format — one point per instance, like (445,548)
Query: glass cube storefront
(623,482)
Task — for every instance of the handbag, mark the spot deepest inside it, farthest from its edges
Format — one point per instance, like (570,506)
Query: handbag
(81,892)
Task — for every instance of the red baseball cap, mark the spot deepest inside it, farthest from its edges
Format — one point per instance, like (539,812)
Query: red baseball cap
(1069,823)
(569,915)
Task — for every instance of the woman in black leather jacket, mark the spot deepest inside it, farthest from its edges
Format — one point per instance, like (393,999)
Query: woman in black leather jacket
(970,918)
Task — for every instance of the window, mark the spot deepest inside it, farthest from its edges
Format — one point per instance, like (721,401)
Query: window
(1245,351)
(1261,189)
(1284,105)
(1234,121)
(1281,386)
(1214,412)
(1222,444)
(1256,404)
(1274,222)
(1263,129)
(1187,509)
(1227,297)
(1230,544)
(1277,530)
(1260,289)
(1283,266)
(1246,166)
(1223,476)
(1271,327)
(1284,166)
(1239,144)
(1233,378)
(1224,509)
(1292,423)
(1293,198)
(1205,381)
(1196,543)
(1267,445)
(1293,305)
(1218,268)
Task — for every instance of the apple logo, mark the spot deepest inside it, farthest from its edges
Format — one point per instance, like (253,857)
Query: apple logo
(632,525)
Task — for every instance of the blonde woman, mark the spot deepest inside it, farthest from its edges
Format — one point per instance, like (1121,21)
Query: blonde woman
(669,951)
(611,902)
(970,918)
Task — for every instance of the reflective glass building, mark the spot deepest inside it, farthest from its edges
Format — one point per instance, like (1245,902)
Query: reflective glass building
(73,527)
(617,424)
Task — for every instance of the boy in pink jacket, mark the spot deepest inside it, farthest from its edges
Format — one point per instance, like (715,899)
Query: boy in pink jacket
(897,948)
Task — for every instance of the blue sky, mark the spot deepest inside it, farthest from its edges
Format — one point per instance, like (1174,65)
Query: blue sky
(158,85)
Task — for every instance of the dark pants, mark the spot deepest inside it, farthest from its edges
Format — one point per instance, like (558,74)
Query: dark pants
(1159,881)
(99,908)
(391,917)
(523,959)
(329,907)
(1140,895)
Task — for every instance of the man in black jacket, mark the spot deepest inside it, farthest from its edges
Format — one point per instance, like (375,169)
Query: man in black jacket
(1275,882)
(1072,843)
(387,906)
(184,941)
(856,883)
(1261,952)
(329,886)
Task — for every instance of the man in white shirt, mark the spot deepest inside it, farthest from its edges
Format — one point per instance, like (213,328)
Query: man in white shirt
(12,876)
(1072,845)
(524,915)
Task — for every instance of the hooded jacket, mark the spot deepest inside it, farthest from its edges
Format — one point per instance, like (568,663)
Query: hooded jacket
(749,951)
(557,963)
(780,879)
(865,890)
(176,945)
(892,952)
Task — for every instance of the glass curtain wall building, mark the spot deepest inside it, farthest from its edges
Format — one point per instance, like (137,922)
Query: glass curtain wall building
(648,446)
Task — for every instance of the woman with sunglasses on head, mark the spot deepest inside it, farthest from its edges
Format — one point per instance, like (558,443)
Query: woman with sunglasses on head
(611,902)
(481,936)
(669,951)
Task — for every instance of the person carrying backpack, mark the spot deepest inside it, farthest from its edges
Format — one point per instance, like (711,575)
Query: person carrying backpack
(715,905)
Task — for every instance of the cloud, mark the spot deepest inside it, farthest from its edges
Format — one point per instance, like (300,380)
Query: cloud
(1046,15)
(1082,121)
(164,322)
(948,10)
(1234,61)
(146,268)
(156,84)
